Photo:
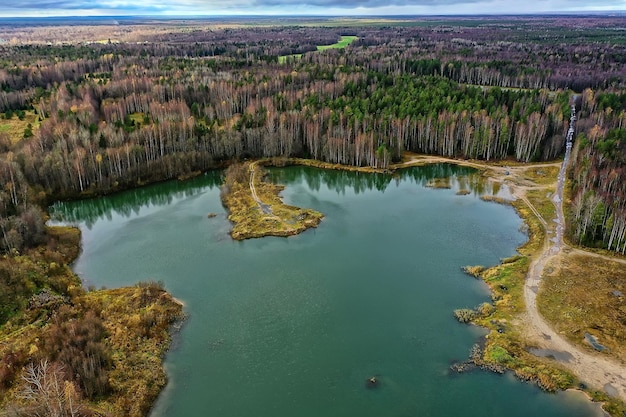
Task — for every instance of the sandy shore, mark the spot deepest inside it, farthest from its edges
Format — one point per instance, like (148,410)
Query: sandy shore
(596,370)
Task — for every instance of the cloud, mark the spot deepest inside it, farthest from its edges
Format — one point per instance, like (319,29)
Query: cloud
(352,4)
(200,7)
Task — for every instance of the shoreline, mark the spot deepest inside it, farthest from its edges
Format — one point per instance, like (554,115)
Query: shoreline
(504,172)
(538,245)
(255,207)
(523,180)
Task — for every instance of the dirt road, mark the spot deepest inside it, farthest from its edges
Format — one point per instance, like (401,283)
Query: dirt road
(595,369)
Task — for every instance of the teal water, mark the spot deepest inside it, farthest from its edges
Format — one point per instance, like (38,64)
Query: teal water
(294,326)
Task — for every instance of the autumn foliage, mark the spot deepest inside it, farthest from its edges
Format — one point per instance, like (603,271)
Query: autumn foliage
(168,101)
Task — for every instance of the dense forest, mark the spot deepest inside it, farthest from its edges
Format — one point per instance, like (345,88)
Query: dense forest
(598,174)
(105,108)
(148,104)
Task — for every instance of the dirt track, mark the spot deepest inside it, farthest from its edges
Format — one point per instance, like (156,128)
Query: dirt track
(595,369)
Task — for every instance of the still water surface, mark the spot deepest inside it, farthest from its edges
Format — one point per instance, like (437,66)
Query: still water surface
(284,327)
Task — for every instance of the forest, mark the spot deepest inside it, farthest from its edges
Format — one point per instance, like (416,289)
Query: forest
(91,110)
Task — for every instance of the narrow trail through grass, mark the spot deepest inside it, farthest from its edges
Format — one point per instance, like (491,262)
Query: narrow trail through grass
(601,373)
(256,209)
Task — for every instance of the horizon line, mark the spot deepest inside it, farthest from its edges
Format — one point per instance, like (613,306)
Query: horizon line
(323,16)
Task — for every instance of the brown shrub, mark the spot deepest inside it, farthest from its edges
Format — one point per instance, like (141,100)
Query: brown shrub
(10,364)
(78,344)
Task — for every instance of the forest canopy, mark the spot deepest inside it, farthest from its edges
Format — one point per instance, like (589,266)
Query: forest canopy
(154,103)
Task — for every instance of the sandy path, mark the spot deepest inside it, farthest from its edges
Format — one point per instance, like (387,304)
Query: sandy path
(594,369)
(265,208)
(577,251)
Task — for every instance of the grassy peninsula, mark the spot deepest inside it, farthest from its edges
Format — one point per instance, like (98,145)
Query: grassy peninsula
(255,207)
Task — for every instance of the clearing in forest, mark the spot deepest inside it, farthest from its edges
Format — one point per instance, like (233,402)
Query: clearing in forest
(345,41)
(18,127)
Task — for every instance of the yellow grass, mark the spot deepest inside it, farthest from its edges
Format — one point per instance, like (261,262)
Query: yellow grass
(581,294)
(137,321)
(15,127)
(544,175)
(541,200)
(137,376)
(137,117)
(270,216)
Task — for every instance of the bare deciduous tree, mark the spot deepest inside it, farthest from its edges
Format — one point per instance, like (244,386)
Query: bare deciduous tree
(47,393)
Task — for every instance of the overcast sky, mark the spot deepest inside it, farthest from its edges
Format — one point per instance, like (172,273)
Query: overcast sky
(297,7)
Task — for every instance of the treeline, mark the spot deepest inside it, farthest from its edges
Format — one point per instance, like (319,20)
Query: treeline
(358,182)
(599,174)
(120,115)
(21,219)
(520,53)
(89,211)
(152,121)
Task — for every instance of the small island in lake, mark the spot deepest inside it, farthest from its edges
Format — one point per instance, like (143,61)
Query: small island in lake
(255,207)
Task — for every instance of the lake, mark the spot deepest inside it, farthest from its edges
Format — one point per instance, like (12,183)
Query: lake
(284,327)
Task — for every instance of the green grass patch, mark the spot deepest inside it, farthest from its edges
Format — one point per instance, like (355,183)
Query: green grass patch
(535,230)
(506,282)
(499,355)
(138,117)
(283,58)
(544,175)
(345,41)
(541,200)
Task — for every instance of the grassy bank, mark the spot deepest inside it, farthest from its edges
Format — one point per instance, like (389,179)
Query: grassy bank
(505,347)
(577,305)
(569,299)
